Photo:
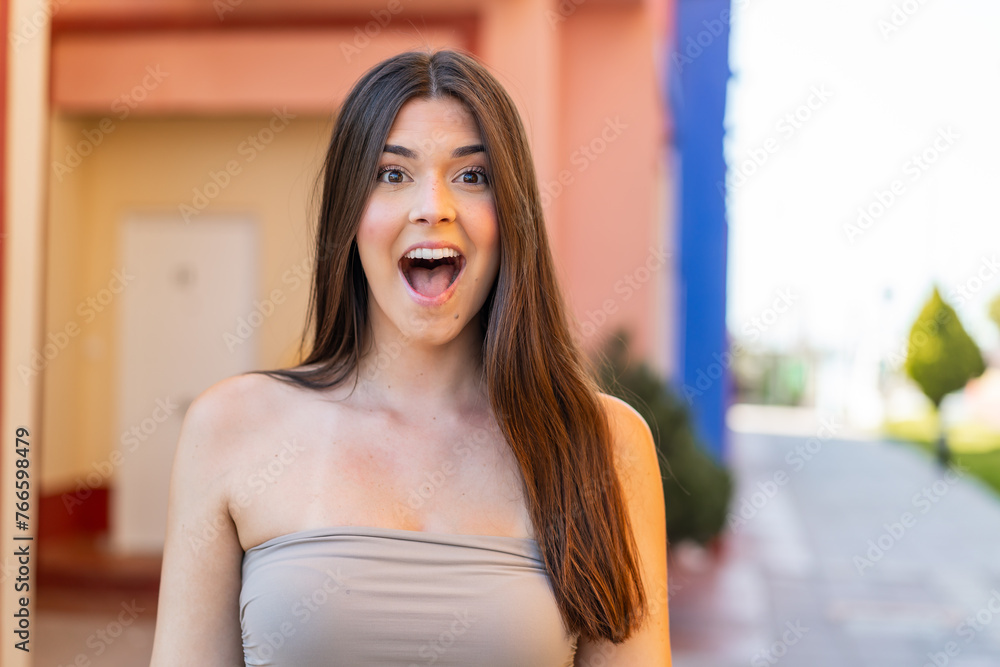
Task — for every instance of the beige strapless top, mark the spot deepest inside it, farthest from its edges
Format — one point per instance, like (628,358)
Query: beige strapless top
(361,595)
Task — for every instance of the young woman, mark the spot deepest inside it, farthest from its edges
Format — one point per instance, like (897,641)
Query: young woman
(440,481)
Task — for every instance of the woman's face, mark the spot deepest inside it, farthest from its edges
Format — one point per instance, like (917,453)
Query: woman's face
(429,240)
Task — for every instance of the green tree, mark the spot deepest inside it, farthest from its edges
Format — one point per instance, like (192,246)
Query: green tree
(995,310)
(941,358)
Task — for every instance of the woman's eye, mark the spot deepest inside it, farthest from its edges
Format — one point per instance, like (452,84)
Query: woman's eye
(390,175)
(474,177)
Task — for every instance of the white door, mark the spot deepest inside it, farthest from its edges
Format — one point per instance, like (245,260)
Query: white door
(193,283)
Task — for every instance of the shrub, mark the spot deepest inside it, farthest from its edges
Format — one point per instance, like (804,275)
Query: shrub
(696,489)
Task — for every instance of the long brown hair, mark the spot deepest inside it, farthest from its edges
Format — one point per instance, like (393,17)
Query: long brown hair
(542,395)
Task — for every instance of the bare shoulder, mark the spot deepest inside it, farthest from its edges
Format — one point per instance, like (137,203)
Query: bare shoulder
(631,437)
(638,466)
(223,429)
(225,413)
(621,414)
(198,608)
(236,399)
(219,431)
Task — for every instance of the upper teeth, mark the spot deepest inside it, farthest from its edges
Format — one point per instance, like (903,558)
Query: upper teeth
(428,253)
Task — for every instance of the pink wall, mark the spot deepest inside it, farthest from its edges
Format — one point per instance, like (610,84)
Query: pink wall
(610,143)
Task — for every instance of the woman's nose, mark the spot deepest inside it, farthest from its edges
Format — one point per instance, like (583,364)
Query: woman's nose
(433,203)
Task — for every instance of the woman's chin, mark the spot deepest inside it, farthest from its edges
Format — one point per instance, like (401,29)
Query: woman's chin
(434,331)
(401,321)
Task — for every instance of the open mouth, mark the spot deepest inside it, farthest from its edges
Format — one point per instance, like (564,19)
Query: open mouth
(431,271)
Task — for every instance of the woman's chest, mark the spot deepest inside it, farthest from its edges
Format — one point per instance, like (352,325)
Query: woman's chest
(455,478)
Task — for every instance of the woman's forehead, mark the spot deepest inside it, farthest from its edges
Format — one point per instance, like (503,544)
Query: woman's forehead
(443,120)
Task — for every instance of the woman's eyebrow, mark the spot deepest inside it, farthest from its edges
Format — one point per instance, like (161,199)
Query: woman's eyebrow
(461,151)
(400,150)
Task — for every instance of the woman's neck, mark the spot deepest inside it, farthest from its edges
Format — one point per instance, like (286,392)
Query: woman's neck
(407,375)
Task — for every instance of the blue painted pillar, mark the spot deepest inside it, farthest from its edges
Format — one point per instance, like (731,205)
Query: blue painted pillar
(698,73)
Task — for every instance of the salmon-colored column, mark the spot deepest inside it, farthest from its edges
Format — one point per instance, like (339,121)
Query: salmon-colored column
(610,177)
(519,43)
(26,127)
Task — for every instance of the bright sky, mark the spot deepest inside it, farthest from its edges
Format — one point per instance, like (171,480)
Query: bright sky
(890,95)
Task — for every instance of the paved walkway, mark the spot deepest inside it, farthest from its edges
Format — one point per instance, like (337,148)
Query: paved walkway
(857,553)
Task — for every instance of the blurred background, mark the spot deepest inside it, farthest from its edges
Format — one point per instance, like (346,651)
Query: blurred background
(771,220)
